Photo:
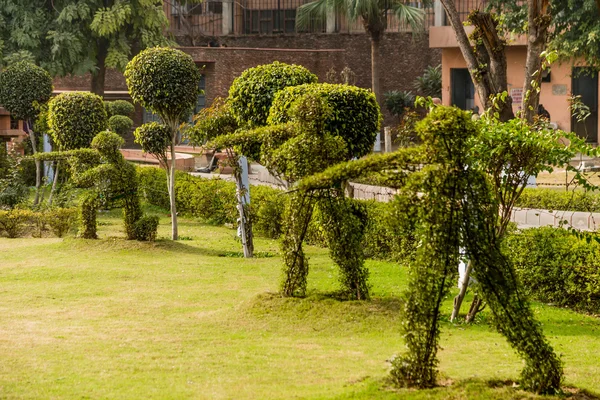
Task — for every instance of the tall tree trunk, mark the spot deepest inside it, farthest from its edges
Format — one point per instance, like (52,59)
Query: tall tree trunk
(98,76)
(171,182)
(538,21)
(487,81)
(375,44)
(38,163)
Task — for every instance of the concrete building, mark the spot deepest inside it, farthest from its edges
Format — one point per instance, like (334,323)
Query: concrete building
(563,80)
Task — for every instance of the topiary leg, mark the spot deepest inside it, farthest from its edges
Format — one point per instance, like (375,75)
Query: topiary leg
(501,290)
(296,220)
(344,223)
(89,205)
(132,212)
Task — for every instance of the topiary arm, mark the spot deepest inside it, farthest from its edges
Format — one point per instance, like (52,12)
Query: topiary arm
(90,177)
(88,156)
(398,161)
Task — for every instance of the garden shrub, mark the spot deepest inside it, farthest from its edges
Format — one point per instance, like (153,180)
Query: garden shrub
(60,220)
(398,102)
(119,107)
(75,118)
(146,228)
(550,199)
(555,266)
(267,206)
(252,93)
(120,124)
(354,113)
(13,222)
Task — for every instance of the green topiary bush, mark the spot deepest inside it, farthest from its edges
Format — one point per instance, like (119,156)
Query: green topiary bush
(23,88)
(549,199)
(60,220)
(75,118)
(252,93)
(120,124)
(119,107)
(146,228)
(14,222)
(354,115)
(555,266)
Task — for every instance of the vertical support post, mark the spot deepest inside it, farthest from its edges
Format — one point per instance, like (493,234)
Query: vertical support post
(330,23)
(377,144)
(227,21)
(387,133)
(439,13)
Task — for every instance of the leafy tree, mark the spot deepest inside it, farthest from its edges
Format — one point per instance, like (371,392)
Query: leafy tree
(373,14)
(79,36)
(164,81)
(74,119)
(251,94)
(24,87)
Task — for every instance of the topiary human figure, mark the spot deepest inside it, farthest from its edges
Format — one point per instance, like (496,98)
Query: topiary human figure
(24,87)
(165,81)
(104,170)
(308,138)
(456,209)
(74,119)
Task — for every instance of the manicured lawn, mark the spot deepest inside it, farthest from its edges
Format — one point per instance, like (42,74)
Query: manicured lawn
(120,319)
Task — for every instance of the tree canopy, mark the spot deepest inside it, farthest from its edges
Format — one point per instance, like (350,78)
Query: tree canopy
(79,36)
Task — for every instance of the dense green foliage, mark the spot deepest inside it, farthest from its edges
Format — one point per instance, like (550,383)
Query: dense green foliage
(354,114)
(430,83)
(551,199)
(398,102)
(164,81)
(212,122)
(76,37)
(120,124)
(19,222)
(252,93)
(555,266)
(75,118)
(23,88)
(154,139)
(119,107)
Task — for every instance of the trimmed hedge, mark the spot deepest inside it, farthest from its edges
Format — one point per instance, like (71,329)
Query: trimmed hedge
(18,222)
(355,117)
(252,93)
(557,267)
(549,199)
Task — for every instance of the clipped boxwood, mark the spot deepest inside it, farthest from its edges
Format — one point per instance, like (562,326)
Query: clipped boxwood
(119,107)
(165,81)
(75,118)
(355,117)
(252,93)
(23,87)
(120,124)
(551,199)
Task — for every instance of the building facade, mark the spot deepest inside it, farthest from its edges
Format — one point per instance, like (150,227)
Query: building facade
(563,80)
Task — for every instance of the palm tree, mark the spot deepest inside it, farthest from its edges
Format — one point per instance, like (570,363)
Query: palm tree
(373,14)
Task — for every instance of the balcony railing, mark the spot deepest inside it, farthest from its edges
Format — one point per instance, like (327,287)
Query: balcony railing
(264,17)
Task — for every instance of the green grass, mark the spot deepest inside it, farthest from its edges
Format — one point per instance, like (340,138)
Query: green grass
(120,319)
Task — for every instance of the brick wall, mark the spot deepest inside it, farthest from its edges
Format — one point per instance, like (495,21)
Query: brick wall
(403,58)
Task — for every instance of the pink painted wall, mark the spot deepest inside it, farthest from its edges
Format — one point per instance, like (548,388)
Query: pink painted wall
(554,95)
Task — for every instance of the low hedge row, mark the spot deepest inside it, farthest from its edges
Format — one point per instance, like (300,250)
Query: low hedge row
(557,267)
(19,222)
(550,199)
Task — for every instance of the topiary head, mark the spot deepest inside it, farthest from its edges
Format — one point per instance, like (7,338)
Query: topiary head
(23,87)
(165,81)
(252,93)
(75,118)
(107,143)
(153,137)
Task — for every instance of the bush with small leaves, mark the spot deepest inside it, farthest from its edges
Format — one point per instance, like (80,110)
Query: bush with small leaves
(14,222)
(146,228)
(23,88)
(154,139)
(120,124)
(119,107)
(354,116)
(252,93)
(61,220)
(75,118)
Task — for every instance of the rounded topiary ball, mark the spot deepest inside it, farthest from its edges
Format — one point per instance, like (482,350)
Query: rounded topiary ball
(119,107)
(23,87)
(153,137)
(251,94)
(75,118)
(107,142)
(355,115)
(120,124)
(164,81)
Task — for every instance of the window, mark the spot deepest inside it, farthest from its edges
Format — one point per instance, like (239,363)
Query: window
(270,21)
(215,7)
(14,123)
